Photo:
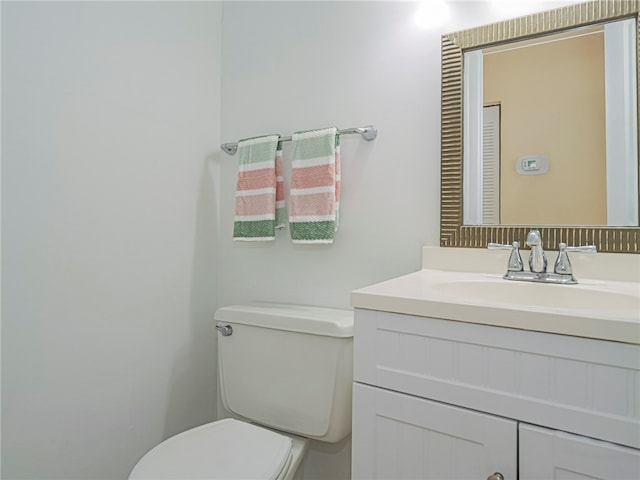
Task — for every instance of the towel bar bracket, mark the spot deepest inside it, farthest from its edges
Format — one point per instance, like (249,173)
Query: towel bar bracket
(369,133)
(230,148)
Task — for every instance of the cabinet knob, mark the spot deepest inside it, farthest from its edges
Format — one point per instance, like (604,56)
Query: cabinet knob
(496,476)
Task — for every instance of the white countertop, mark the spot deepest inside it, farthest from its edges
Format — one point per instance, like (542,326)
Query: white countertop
(595,308)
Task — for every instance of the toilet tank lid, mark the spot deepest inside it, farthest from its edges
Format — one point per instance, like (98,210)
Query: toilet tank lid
(330,322)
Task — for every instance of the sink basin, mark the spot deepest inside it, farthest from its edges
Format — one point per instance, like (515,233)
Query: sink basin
(603,306)
(575,297)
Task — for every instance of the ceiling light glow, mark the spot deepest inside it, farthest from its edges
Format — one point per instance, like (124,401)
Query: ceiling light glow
(432,14)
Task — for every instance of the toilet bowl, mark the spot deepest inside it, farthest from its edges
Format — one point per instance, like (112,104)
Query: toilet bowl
(285,372)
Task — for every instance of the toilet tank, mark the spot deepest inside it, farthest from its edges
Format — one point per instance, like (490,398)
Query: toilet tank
(289,367)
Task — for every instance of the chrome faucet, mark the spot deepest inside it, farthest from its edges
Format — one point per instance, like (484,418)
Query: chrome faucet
(537,257)
(562,270)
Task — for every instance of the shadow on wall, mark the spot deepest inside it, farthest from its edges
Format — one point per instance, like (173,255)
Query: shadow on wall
(332,459)
(193,383)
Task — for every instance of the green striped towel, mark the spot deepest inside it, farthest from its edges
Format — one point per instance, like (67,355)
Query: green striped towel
(255,218)
(315,186)
(281,210)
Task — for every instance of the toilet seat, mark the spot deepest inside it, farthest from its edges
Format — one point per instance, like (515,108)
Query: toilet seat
(225,449)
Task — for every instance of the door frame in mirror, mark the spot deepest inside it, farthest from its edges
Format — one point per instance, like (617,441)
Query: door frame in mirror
(453,233)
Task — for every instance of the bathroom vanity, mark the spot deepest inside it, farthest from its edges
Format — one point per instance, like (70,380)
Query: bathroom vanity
(461,374)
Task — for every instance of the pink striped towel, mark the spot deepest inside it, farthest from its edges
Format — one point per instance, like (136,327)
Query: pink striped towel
(315,186)
(259,190)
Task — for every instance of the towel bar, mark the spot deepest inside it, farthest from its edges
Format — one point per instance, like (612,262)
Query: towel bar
(368,133)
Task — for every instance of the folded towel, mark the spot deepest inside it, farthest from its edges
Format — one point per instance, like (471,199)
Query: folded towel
(255,218)
(281,211)
(315,186)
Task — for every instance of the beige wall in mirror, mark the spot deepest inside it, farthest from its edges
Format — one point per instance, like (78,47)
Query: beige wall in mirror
(551,99)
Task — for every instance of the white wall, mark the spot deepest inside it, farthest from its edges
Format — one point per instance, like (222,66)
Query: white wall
(109,114)
(111,191)
(298,65)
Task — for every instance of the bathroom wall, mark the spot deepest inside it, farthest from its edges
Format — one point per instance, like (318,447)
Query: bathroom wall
(114,254)
(289,66)
(110,115)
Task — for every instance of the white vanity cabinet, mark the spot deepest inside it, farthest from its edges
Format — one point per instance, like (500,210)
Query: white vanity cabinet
(546,453)
(399,436)
(439,399)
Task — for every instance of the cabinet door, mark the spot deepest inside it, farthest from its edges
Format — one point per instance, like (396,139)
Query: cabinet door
(551,454)
(401,437)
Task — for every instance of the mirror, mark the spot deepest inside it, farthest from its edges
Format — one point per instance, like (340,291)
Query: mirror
(509,161)
(552,118)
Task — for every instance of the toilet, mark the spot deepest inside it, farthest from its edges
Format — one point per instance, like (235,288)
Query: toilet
(285,375)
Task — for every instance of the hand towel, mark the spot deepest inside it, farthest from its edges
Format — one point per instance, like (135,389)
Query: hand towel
(281,211)
(255,218)
(315,186)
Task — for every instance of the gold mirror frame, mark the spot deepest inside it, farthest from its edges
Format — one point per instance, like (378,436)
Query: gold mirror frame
(452,232)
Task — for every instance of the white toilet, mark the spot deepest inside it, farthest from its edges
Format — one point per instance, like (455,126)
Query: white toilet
(288,369)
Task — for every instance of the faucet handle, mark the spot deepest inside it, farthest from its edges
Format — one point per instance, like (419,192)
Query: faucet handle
(563,265)
(515,260)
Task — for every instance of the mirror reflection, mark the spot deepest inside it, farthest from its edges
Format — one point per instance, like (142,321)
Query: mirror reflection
(551,130)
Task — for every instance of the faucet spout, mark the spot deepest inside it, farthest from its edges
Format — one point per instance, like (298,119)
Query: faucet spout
(537,257)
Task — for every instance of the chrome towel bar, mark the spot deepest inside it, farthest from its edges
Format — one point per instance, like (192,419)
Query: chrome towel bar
(368,133)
